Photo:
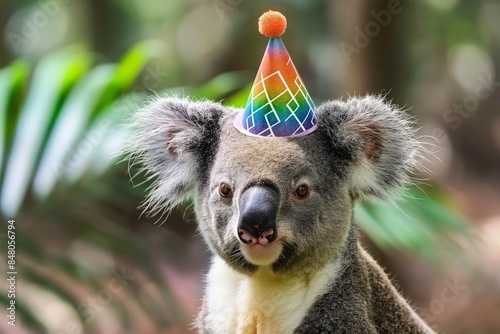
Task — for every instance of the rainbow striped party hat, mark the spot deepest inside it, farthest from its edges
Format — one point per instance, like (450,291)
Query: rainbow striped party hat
(279,104)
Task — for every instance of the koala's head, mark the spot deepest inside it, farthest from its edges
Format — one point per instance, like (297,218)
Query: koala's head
(282,203)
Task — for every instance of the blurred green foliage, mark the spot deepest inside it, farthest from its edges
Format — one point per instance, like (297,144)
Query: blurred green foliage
(46,117)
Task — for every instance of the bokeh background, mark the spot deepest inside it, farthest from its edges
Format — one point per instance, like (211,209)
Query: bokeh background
(73,71)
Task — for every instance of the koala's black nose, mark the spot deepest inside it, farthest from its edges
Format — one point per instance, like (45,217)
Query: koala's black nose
(258,209)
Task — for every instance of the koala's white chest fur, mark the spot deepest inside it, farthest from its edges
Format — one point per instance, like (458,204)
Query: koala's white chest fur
(262,303)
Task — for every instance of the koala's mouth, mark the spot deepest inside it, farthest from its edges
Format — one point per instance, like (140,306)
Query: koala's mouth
(248,258)
(262,254)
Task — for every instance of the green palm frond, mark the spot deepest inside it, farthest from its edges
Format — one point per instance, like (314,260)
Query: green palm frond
(46,118)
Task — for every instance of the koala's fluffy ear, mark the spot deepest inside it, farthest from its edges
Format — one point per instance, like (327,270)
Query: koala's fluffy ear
(174,142)
(379,140)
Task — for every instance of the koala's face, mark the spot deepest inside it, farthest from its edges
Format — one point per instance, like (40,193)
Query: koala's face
(266,201)
(282,203)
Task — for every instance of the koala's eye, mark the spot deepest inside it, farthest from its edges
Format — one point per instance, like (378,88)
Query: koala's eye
(302,191)
(225,190)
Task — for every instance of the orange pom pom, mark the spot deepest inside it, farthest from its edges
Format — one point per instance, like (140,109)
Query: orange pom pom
(272,24)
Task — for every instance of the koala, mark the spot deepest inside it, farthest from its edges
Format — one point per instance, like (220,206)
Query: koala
(278,213)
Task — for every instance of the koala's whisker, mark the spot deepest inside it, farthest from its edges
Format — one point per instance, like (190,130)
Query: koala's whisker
(399,211)
(423,137)
(408,195)
(235,255)
(196,234)
(165,214)
(422,154)
(184,213)
(146,180)
(420,180)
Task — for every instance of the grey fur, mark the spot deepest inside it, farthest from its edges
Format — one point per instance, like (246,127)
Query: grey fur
(363,147)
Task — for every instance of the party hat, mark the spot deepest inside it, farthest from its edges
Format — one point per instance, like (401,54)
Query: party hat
(279,104)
